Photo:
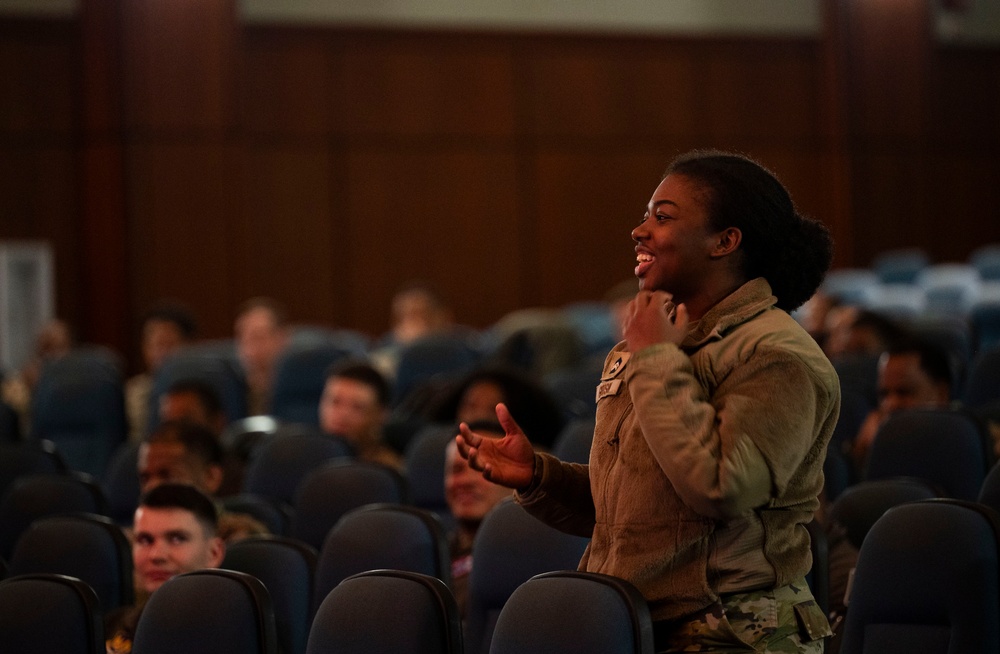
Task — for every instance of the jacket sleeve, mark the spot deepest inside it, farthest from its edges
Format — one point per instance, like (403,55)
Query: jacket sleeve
(560,496)
(736,451)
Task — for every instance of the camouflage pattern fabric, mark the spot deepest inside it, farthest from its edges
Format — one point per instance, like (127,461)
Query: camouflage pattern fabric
(784,620)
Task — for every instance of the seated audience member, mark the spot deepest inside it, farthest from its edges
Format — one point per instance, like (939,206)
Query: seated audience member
(194,401)
(174,532)
(814,315)
(261,331)
(911,374)
(165,329)
(476,396)
(851,330)
(53,340)
(418,310)
(187,453)
(355,405)
(470,497)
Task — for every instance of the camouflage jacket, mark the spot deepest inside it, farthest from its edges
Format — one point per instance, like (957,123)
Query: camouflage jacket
(706,461)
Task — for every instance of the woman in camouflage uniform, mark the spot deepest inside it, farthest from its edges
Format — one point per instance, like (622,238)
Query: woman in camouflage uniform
(713,417)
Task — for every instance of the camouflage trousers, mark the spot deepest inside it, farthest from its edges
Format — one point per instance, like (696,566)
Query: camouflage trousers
(782,620)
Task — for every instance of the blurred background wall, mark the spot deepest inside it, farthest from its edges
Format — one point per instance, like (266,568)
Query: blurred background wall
(324,152)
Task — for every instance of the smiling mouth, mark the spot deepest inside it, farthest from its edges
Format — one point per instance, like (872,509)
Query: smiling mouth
(643,263)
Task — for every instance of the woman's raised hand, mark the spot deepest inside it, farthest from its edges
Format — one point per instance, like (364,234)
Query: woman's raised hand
(508,461)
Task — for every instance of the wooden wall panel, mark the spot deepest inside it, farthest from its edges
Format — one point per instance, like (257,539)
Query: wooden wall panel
(761,91)
(283,242)
(449,216)
(183,207)
(965,104)
(38,201)
(601,88)
(402,85)
(588,203)
(179,65)
(891,210)
(889,52)
(963,204)
(288,83)
(38,73)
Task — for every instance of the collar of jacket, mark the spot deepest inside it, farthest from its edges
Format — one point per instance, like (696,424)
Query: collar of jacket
(744,303)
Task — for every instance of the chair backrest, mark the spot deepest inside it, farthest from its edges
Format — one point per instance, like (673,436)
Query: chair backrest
(273,514)
(241,437)
(10,423)
(299,378)
(900,265)
(983,384)
(430,357)
(207,364)
(989,493)
(377,536)
(284,460)
(573,443)
(208,612)
(89,547)
(574,388)
(79,404)
(387,611)
(944,447)
(36,496)
(287,568)
(28,457)
(28,605)
(570,611)
(927,581)
(329,492)
(121,483)
(425,467)
(984,318)
(511,547)
(861,505)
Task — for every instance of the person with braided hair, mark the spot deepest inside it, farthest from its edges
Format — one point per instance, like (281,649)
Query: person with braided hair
(713,418)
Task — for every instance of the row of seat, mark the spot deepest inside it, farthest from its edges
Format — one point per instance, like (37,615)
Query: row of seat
(79,402)
(222,611)
(510,548)
(927,581)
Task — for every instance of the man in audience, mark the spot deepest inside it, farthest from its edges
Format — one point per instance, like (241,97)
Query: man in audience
(418,310)
(165,329)
(174,532)
(911,374)
(192,400)
(262,333)
(355,405)
(187,453)
(470,497)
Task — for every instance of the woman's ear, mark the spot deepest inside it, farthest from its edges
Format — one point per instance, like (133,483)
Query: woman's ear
(727,242)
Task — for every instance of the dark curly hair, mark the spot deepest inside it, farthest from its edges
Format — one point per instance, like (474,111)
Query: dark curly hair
(792,252)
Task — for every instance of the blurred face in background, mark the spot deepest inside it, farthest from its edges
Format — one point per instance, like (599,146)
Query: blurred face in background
(163,462)
(259,340)
(479,402)
(351,409)
(186,406)
(160,339)
(903,384)
(469,495)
